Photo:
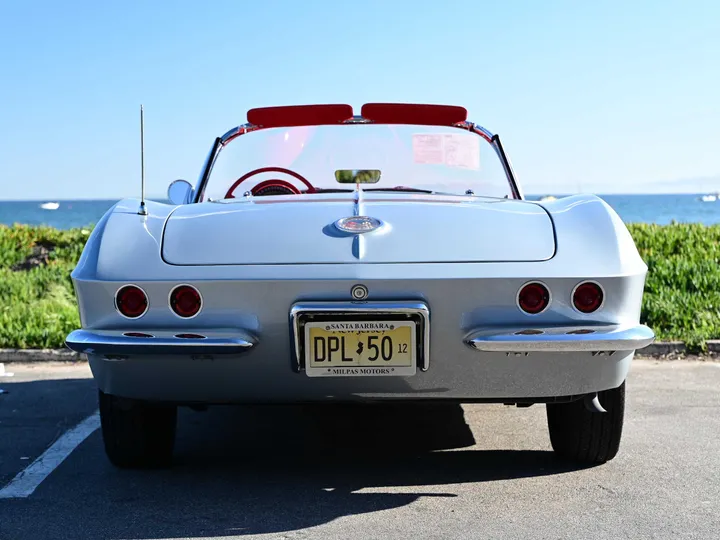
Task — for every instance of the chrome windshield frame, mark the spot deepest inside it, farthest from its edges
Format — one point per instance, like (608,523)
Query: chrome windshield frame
(492,138)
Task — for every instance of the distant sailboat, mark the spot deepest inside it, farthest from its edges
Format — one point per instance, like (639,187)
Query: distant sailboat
(711,198)
(50,206)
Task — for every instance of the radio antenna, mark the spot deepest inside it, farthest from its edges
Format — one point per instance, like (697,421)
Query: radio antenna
(142,211)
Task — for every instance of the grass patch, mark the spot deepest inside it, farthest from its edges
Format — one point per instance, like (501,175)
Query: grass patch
(681,301)
(682,290)
(37,306)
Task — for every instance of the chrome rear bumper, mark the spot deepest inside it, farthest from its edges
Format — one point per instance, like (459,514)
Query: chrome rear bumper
(109,343)
(562,339)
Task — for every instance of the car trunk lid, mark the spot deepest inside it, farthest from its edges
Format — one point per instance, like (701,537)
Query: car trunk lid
(300,230)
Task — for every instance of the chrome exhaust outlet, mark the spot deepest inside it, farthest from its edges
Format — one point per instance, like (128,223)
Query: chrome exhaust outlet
(592,403)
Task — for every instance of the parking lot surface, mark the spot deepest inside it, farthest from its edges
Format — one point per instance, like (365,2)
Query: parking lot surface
(356,473)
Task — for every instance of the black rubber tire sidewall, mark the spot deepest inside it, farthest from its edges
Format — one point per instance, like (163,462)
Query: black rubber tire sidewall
(582,436)
(136,433)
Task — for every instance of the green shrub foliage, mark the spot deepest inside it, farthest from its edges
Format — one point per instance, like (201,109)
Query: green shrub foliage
(682,290)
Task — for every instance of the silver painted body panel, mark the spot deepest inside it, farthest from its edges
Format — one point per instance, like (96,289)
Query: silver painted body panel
(298,229)
(251,291)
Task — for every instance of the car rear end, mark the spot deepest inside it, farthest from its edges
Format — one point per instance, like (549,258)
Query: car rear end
(239,332)
(442,285)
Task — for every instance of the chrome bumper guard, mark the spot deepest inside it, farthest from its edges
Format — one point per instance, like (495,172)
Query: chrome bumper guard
(562,339)
(113,343)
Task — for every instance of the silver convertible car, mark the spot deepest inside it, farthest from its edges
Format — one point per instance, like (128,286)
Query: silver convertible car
(329,256)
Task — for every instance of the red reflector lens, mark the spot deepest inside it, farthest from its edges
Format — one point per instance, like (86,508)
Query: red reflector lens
(137,334)
(185,301)
(533,298)
(131,301)
(587,297)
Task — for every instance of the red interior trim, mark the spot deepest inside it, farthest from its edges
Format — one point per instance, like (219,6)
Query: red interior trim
(299,115)
(412,113)
(276,183)
(229,194)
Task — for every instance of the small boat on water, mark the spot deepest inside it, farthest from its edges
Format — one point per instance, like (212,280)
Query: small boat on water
(548,198)
(50,206)
(712,197)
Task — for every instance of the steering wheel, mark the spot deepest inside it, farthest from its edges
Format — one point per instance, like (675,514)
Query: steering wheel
(271,187)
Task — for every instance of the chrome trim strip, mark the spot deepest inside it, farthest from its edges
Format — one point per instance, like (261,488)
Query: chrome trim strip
(562,339)
(206,170)
(237,131)
(514,185)
(218,145)
(366,307)
(114,343)
(476,128)
(358,246)
(357,201)
(494,140)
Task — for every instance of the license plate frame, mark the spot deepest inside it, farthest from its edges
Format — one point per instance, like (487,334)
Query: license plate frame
(360,348)
(415,314)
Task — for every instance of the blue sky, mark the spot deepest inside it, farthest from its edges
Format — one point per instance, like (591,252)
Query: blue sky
(593,96)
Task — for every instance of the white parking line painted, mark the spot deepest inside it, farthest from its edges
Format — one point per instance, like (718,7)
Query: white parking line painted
(32,476)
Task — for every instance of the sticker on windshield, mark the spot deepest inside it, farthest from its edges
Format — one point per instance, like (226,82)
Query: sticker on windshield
(453,150)
(428,148)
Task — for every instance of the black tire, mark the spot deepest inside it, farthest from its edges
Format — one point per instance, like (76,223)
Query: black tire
(576,434)
(136,433)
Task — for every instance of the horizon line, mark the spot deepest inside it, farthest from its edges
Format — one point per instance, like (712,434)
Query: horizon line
(538,193)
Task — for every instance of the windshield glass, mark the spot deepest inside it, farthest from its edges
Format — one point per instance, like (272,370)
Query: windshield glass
(432,158)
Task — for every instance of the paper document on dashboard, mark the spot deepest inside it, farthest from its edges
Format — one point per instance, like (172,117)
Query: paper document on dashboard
(454,150)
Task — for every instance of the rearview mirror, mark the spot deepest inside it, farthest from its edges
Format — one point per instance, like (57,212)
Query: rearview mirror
(357,176)
(180,192)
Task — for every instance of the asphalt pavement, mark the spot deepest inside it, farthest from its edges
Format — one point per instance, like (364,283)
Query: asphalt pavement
(359,473)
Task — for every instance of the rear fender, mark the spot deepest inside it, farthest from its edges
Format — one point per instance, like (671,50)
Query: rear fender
(590,235)
(122,240)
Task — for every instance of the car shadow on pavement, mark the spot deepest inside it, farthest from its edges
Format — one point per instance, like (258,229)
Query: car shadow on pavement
(242,470)
(275,469)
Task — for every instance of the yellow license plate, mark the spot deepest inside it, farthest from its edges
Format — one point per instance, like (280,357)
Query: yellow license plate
(360,348)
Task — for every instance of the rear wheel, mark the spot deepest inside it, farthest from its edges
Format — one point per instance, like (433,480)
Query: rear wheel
(137,433)
(579,435)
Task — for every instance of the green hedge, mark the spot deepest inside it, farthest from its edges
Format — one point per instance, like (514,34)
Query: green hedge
(37,306)
(682,295)
(682,291)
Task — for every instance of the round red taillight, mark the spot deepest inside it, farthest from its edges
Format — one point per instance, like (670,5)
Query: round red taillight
(185,301)
(131,301)
(533,298)
(587,297)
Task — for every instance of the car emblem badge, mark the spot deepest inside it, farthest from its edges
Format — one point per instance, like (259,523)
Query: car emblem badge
(358,224)
(359,292)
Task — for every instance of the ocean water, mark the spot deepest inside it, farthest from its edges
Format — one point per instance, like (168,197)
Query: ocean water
(660,209)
